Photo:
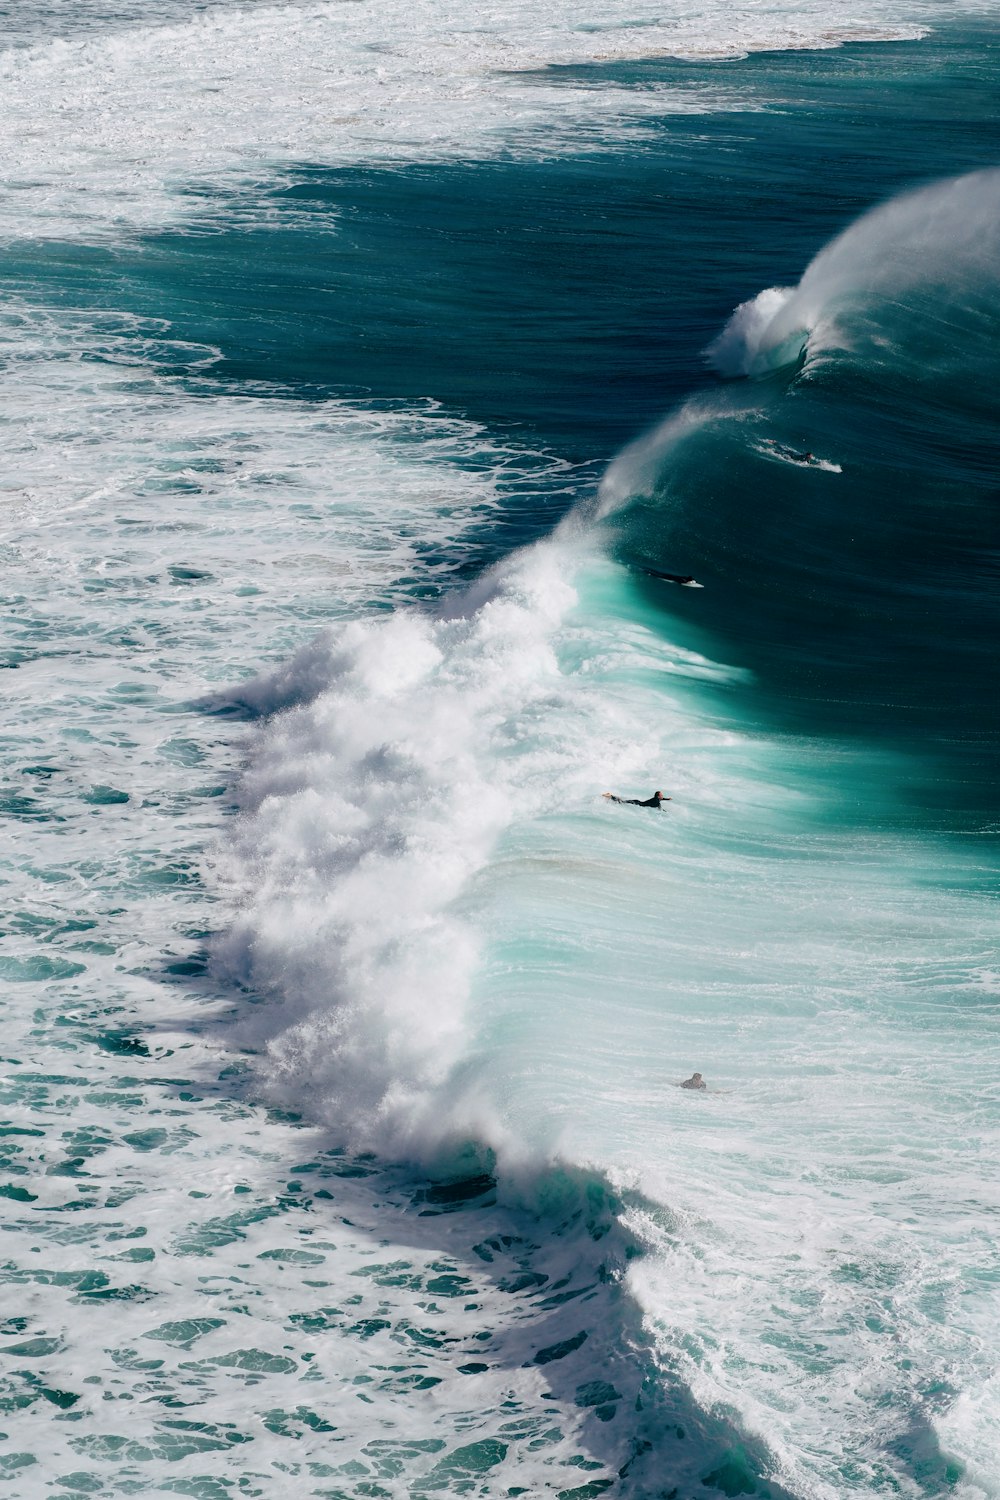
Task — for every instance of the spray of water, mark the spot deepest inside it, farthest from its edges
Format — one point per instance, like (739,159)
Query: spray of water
(942,241)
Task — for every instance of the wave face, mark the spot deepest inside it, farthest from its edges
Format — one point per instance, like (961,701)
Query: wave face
(866,603)
(445,911)
(344,1017)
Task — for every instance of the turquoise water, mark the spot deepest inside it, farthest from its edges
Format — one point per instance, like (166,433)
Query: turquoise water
(352,381)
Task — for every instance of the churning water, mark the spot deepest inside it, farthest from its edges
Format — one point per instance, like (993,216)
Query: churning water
(363,373)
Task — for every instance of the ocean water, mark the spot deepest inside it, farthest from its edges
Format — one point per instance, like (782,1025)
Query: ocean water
(362,372)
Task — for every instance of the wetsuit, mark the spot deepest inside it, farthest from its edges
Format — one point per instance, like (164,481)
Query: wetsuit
(653,801)
(670,577)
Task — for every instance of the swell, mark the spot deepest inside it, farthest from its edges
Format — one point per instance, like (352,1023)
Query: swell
(421,803)
(398,754)
(838,499)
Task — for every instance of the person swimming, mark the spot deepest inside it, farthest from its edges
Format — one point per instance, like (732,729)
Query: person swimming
(694,1082)
(653,801)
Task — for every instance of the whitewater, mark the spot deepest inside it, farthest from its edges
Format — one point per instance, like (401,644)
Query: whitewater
(360,369)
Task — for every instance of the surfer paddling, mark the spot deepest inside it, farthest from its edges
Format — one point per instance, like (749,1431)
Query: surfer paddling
(694,1082)
(685,580)
(805,460)
(653,801)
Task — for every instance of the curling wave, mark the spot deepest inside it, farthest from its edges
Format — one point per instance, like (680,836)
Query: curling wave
(864,603)
(475,964)
(931,256)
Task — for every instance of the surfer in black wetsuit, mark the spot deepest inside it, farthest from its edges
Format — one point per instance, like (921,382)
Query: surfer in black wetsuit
(653,801)
(686,580)
(694,1082)
(792,455)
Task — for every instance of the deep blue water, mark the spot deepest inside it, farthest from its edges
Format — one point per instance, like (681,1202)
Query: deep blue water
(566,304)
(568,301)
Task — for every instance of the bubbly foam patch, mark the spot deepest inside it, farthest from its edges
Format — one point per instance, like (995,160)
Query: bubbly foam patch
(203,1295)
(166,471)
(111,133)
(204,1292)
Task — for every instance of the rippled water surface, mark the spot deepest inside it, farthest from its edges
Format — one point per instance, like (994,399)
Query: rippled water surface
(342,1015)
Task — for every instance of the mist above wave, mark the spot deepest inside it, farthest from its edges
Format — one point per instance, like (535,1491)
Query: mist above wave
(923,258)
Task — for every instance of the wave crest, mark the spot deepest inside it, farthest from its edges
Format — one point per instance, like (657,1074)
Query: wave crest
(743,345)
(871,286)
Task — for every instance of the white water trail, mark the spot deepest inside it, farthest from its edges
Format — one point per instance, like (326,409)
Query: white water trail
(369,809)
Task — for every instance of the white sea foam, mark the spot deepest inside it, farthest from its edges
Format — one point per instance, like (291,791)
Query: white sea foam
(158,535)
(105,134)
(491,868)
(370,810)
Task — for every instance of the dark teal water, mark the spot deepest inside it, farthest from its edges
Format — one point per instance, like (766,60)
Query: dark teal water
(568,301)
(567,304)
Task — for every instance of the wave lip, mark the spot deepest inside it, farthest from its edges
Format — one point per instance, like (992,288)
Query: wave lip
(923,257)
(744,347)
